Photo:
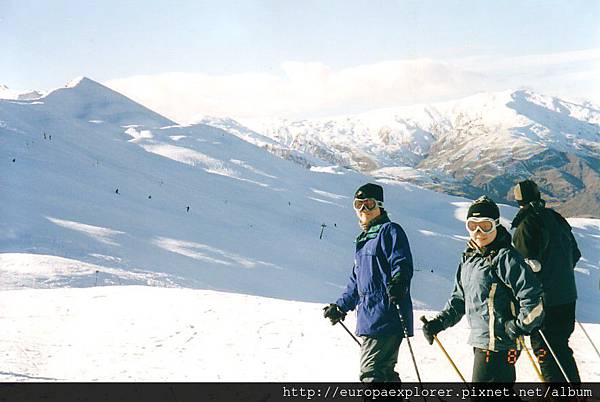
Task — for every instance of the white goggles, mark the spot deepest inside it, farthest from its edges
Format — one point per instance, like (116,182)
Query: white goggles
(484,225)
(366,203)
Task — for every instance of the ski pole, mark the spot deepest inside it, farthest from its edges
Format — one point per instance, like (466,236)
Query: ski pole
(350,333)
(409,345)
(403,323)
(562,370)
(589,339)
(424,320)
(536,368)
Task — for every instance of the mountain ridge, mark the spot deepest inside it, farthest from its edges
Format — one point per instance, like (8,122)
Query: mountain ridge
(461,147)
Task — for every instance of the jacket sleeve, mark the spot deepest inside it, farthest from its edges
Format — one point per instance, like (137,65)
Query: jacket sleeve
(576,252)
(527,290)
(455,306)
(531,239)
(397,251)
(574,247)
(349,298)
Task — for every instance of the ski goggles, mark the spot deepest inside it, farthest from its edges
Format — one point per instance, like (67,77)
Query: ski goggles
(366,203)
(484,225)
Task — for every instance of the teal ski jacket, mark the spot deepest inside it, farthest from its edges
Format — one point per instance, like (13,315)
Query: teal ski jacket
(494,285)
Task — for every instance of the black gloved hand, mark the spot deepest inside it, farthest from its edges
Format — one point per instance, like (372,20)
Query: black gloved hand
(512,330)
(334,313)
(431,328)
(397,289)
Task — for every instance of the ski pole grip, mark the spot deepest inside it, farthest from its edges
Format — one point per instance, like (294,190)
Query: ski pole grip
(423,319)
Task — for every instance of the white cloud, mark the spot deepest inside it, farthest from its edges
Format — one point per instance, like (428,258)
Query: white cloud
(573,74)
(531,61)
(308,89)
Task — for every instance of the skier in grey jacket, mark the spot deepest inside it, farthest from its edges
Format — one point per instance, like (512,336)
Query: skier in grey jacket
(497,291)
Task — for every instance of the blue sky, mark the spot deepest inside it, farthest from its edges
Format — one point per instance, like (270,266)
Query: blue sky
(47,43)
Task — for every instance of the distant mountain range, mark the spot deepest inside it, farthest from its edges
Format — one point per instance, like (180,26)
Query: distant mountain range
(482,144)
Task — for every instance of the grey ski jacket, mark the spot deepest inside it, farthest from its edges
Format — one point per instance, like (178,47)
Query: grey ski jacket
(494,285)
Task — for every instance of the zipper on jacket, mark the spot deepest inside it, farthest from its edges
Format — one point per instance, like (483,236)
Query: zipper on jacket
(492,317)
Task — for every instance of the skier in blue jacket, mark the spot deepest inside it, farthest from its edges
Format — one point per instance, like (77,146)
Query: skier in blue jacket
(379,287)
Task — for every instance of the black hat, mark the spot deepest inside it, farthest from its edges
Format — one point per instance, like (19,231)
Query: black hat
(526,191)
(484,207)
(370,190)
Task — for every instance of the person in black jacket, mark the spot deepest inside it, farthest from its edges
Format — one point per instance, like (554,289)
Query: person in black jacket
(546,241)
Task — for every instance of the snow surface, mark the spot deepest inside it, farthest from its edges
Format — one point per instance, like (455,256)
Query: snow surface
(252,230)
(138,333)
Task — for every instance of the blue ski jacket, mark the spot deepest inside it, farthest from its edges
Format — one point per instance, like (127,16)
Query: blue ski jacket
(381,253)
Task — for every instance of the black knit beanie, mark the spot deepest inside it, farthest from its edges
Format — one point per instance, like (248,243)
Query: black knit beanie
(370,190)
(484,207)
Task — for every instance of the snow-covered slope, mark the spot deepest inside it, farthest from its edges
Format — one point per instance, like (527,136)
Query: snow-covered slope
(461,147)
(254,220)
(253,226)
(139,333)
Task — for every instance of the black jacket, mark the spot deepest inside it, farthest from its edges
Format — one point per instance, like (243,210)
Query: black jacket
(543,235)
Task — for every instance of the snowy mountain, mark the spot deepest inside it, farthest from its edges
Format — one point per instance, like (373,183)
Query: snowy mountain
(253,227)
(483,143)
(7,93)
(233,127)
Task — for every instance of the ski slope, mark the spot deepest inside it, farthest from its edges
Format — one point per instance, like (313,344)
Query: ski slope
(69,243)
(140,333)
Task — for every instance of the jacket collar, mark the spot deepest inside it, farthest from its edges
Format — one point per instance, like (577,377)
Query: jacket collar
(373,228)
(534,207)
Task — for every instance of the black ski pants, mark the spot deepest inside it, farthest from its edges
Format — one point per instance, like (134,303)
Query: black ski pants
(558,325)
(490,366)
(497,368)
